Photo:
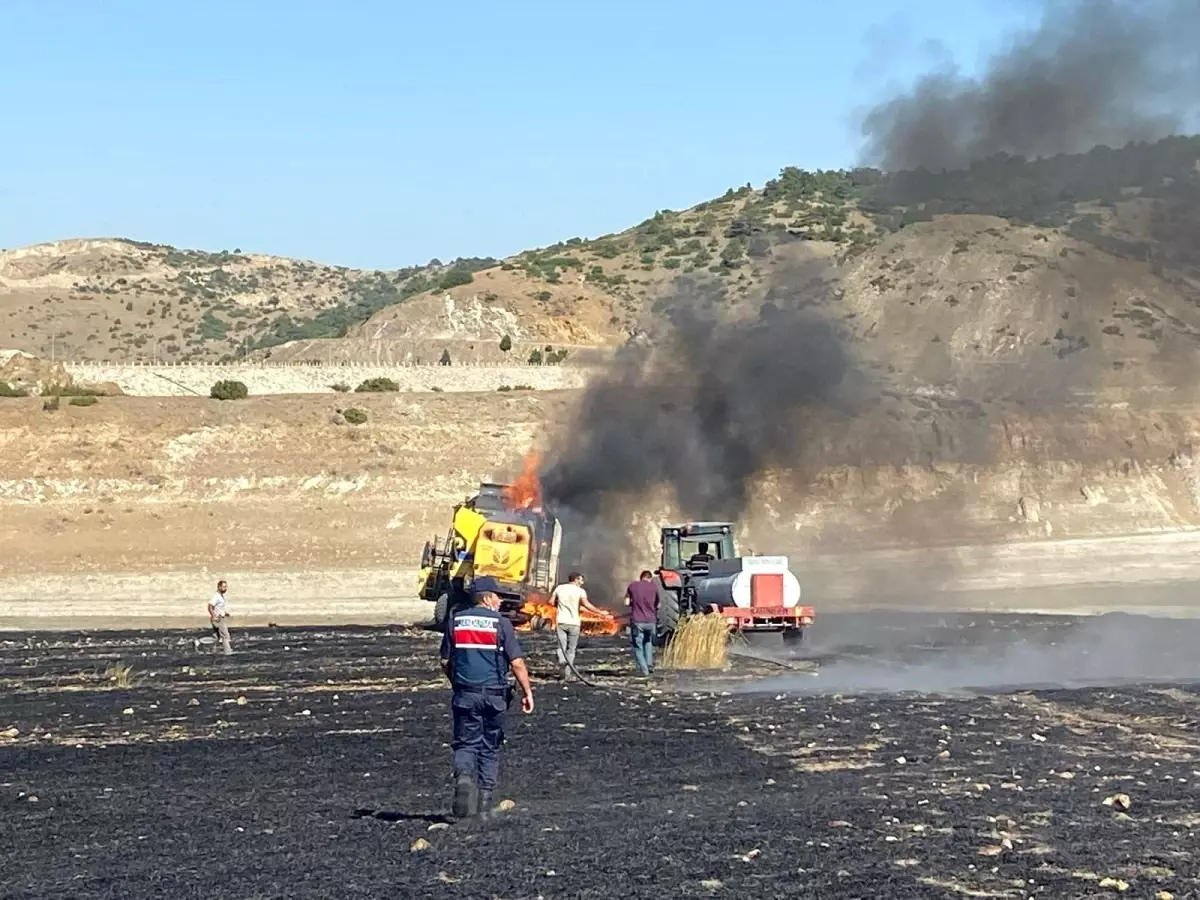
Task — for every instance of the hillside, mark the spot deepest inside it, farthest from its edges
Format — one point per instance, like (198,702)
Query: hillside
(1029,360)
(115,299)
(929,258)
(596,293)
(939,271)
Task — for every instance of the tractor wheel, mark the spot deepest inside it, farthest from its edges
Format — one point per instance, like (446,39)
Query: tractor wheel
(441,612)
(668,613)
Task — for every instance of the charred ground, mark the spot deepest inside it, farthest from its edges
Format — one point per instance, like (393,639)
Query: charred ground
(333,763)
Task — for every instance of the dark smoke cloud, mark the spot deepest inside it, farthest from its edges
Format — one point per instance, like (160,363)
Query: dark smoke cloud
(1093,72)
(709,406)
(698,415)
(704,412)
(702,409)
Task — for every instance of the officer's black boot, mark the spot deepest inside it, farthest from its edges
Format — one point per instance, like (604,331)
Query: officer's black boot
(466,799)
(485,804)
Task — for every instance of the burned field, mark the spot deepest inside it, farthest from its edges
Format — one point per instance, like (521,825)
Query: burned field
(314,763)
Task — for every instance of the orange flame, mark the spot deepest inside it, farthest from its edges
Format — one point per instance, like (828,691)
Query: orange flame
(545,616)
(526,490)
(589,624)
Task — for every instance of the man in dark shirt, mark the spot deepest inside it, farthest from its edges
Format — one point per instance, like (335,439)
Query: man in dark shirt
(642,599)
(701,559)
(479,647)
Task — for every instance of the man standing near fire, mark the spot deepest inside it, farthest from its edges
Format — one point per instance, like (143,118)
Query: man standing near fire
(567,600)
(642,599)
(479,647)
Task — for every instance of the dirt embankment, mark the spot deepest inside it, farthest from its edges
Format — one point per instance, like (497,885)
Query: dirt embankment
(179,491)
(136,483)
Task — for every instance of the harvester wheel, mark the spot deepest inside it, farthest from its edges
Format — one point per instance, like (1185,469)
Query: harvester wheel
(441,611)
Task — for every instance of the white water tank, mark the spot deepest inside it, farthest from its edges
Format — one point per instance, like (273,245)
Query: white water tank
(732,582)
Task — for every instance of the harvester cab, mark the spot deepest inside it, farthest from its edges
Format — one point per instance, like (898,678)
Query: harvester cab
(700,572)
(518,547)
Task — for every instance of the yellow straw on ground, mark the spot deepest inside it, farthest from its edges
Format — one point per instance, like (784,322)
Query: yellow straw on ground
(700,642)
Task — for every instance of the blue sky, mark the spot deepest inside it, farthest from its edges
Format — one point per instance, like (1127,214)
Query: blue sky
(380,134)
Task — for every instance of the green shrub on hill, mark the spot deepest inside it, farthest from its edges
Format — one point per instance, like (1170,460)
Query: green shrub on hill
(377,386)
(229,390)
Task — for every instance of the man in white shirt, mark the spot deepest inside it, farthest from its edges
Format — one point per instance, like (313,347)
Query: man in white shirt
(217,614)
(567,600)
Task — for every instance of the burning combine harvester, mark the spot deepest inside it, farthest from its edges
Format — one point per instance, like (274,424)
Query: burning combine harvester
(505,533)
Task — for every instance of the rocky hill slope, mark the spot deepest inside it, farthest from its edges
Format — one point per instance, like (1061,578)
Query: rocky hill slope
(1007,260)
(1002,261)
(116,299)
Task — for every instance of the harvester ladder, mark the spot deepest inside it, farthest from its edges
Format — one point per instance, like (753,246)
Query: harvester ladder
(541,571)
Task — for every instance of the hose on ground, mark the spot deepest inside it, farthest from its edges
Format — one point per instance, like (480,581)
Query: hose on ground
(603,687)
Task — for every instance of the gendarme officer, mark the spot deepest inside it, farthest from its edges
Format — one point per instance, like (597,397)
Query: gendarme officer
(479,647)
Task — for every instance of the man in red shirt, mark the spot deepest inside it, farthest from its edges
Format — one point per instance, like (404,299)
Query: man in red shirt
(642,599)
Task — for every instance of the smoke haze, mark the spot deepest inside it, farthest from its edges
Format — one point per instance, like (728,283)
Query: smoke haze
(1093,72)
(882,653)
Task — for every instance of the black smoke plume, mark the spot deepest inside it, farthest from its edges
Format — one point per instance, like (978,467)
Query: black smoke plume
(702,409)
(703,414)
(1094,72)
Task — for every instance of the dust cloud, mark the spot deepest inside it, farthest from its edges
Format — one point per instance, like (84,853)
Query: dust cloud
(1094,72)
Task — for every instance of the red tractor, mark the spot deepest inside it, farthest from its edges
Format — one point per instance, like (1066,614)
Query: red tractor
(700,573)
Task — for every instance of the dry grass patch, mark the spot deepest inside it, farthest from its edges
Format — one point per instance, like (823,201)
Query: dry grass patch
(119,675)
(700,642)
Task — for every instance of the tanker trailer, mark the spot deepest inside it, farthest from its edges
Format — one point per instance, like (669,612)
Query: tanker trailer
(756,594)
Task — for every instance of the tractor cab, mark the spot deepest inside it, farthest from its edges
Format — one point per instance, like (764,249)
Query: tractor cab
(701,573)
(691,547)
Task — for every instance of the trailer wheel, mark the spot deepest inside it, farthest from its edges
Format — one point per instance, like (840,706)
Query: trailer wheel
(441,611)
(793,637)
(763,640)
(668,612)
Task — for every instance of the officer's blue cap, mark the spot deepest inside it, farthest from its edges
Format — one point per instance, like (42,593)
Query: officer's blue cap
(485,584)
